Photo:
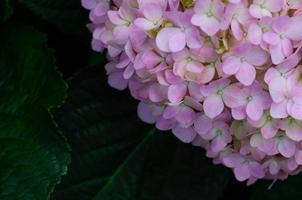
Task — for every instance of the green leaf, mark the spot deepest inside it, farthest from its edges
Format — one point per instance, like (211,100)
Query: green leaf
(67,15)
(118,157)
(33,153)
(5,10)
(287,189)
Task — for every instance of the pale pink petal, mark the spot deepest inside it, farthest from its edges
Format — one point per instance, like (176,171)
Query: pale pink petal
(236,30)
(286,147)
(170,111)
(157,92)
(165,124)
(287,47)
(177,41)
(271,38)
(218,144)
(234,97)
(176,93)
(144,24)
(213,105)
(242,172)
(186,135)
(231,65)
(255,34)
(298,157)
(277,89)
(185,116)
(145,113)
(276,53)
(256,170)
(210,25)
(278,110)
(203,124)
(254,109)
(246,74)
(269,130)
(294,32)
(296,111)
(293,131)
(117,81)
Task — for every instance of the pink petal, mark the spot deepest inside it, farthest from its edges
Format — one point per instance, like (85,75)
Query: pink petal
(218,144)
(145,113)
(296,111)
(176,93)
(298,157)
(255,34)
(271,38)
(276,53)
(236,30)
(170,111)
(269,130)
(185,116)
(213,106)
(203,124)
(242,172)
(144,24)
(279,110)
(163,38)
(277,89)
(246,74)
(177,41)
(117,81)
(186,135)
(231,65)
(165,124)
(157,92)
(210,25)
(287,47)
(294,32)
(254,109)
(234,97)
(256,170)
(286,147)
(293,131)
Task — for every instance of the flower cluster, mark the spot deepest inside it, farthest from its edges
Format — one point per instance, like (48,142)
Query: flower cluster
(221,74)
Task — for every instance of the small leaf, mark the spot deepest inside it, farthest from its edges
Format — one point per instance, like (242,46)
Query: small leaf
(33,153)
(117,157)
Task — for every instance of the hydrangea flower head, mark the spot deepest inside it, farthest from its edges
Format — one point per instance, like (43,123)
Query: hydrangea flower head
(225,75)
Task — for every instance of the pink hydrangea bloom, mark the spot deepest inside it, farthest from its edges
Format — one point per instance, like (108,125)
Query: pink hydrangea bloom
(222,75)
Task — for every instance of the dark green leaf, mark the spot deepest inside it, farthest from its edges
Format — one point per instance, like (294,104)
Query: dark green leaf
(116,157)
(67,15)
(287,189)
(5,10)
(33,154)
